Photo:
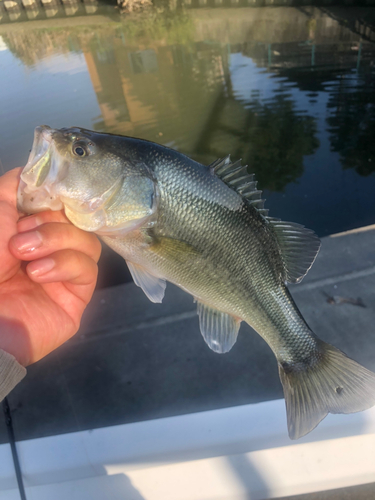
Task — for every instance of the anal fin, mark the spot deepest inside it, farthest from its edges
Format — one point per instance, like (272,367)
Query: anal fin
(218,328)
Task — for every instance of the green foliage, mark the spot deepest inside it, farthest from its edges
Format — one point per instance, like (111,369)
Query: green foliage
(175,28)
(160,26)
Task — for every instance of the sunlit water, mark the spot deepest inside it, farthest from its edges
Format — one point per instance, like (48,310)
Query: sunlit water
(291,91)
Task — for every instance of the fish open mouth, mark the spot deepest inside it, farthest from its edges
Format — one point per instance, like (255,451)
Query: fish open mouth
(36,189)
(39,154)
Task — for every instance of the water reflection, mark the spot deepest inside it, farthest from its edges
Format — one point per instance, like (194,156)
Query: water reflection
(281,88)
(352,122)
(280,138)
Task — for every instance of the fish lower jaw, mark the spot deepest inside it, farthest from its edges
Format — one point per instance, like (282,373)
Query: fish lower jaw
(31,200)
(99,223)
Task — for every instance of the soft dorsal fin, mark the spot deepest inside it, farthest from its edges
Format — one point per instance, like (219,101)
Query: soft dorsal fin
(218,328)
(236,176)
(299,247)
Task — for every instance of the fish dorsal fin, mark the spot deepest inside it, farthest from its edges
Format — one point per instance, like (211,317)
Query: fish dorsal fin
(236,177)
(299,247)
(153,287)
(219,329)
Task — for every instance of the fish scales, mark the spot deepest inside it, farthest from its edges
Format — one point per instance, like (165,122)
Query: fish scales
(218,233)
(204,229)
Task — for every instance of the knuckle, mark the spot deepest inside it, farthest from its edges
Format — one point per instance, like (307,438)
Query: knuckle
(58,216)
(59,236)
(92,245)
(74,258)
(50,235)
(57,233)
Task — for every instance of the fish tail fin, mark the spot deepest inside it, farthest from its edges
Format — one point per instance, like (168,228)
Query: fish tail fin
(334,383)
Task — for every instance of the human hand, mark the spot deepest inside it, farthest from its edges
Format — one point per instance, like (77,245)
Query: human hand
(48,272)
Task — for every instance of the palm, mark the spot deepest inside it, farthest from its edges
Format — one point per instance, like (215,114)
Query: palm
(41,312)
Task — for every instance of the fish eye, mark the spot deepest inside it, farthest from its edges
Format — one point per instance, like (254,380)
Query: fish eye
(79,150)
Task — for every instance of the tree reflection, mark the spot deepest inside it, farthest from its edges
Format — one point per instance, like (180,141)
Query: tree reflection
(280,137)
(163,28)
(272,137)
(352,122)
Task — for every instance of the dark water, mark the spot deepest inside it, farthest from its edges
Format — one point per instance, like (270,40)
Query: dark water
(291,90)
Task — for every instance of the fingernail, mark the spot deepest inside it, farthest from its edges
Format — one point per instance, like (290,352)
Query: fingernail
(41,266)
(29,223)
(27,242)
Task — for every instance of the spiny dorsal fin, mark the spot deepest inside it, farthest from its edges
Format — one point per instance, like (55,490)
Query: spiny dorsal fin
(236,176)
(299,247)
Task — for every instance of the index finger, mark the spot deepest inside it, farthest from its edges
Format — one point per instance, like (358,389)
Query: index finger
(33,221)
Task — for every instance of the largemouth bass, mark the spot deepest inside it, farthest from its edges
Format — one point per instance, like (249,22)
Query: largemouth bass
(205,229)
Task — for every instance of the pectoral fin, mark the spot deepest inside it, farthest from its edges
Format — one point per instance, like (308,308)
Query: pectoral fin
(219,329)
(153,287)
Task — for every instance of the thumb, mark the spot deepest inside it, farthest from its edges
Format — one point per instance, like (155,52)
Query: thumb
(8,222)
